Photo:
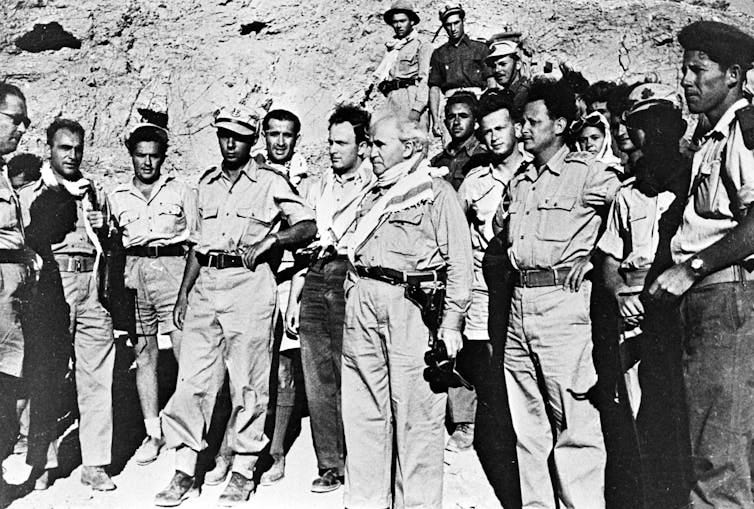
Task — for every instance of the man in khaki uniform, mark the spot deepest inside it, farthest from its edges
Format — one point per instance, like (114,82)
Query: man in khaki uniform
(226,306)
(13,125)
(78,257)
(402,75)
(155,215)
(551,220)
(410,229)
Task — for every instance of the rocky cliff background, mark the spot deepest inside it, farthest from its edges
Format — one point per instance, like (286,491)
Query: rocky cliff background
(190,57)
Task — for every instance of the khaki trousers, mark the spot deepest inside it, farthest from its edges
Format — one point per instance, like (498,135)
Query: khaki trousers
(551,326)
(94,347)
(393,422)
(228,325)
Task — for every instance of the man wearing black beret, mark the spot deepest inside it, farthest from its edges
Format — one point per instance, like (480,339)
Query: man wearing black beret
(712,281)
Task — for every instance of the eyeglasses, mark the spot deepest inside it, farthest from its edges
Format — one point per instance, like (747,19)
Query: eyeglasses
(18,119)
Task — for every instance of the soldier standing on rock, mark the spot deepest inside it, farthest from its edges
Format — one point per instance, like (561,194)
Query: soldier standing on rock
(457,64)
(505,61)
(402,74)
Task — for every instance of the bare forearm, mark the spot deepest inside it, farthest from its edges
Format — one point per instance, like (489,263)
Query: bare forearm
(733,248)
(610,274)
(434,103)
(298,235)
(190,273)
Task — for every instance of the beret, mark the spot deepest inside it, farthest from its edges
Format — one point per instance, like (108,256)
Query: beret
(723,43)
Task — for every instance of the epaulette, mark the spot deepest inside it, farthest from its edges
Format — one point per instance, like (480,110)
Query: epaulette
(207,172)
(629,182)
(580,157)
(265,166)
(745,118)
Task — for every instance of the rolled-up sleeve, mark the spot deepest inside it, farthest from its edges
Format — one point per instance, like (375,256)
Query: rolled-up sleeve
(454,244)
(191,212)
(611,242)
(601,186)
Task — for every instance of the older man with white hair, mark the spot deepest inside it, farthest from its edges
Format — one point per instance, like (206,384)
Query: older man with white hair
(411,236)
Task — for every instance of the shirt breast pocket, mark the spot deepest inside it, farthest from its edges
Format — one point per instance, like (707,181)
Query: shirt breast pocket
(127,219)
(208,213)
(403,236)
(555,218)
(473,69)
(8,210)
(407,66)
(710,198)
(641,234)
(257,224)
(170,218)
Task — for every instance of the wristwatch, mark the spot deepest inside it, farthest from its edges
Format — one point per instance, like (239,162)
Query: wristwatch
(697,266)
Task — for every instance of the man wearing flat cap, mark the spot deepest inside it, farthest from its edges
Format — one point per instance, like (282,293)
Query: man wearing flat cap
(712,279)
(402,74)
(457,64)
(505,61)
(226,306)
(155,215)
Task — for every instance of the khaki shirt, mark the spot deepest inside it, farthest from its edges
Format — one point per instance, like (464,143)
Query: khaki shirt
(432,235)
(632,232)
(554,213)
(722,164)
(459,161)
(167,217)
(413,62)
(11,222)
(235,215)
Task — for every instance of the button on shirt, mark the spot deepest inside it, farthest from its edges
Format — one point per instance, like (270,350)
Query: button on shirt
(632,232)
(167,217)
(553,214)
(459,65)
(235,215)
(722,163)
(413,62)
(429,236)
(457,161)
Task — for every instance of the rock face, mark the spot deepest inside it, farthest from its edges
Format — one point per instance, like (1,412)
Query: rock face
(190,57)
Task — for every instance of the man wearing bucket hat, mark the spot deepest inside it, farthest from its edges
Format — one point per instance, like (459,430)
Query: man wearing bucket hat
(505,61)
(402,74)
(457,64)
(647,436)
(241,205)
(155,215)
(712,279)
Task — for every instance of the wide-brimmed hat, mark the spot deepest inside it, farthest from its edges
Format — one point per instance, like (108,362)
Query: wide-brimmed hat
(402,6)
(239,119)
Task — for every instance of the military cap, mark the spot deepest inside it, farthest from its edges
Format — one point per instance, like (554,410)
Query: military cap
(503,44)
(723,43)
(647,95)
(402,6)
(240,120)
(450,9)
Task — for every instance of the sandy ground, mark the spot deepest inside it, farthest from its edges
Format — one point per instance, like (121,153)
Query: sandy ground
(465,485)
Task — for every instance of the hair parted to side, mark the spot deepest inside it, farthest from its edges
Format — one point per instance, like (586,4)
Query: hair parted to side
(283,116)
(557,96)
(462,97)
(148,133)
(494,100)
(359,119)
(63,124)
(7,89)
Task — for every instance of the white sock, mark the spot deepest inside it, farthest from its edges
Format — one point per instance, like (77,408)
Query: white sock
(153,428)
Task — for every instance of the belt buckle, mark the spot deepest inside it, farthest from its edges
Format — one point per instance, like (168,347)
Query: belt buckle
(77,265)
(210,257)
(523,276)
(221,258)
(153,251)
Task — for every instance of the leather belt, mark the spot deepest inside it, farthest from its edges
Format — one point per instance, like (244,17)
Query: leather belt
(734,273)
(13,256)
(388,86)
(399,277)
(539,278)
(219,260)
(75,263)
(157,251)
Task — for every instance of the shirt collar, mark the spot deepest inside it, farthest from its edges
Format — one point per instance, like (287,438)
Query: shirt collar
(722,128)
(463,40)
(363,174)
(469,146)
(249,170)
(554,165)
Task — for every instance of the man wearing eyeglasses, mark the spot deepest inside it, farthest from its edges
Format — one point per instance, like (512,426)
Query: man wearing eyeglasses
(13,125)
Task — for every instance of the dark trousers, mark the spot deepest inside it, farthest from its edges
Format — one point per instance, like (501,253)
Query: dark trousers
(8,417)
(718,325)
(321,333)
